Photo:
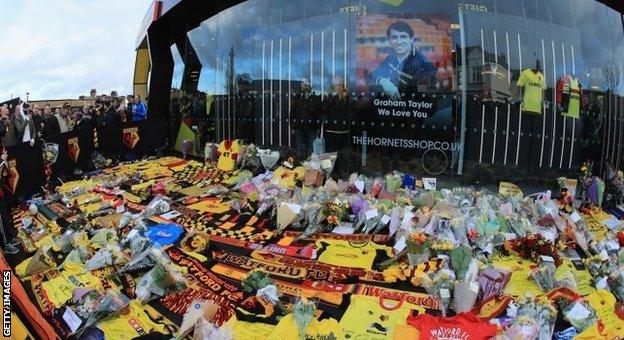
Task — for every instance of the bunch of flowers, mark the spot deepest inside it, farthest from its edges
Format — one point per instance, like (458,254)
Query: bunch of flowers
(541,310)
(616,283)
(473,235)
(533,247)
(522,327)
(418,242)
(303,313)
(418,248)
(580,314)
(335,212)
(565,244)
(96,305)
(442,246)
(259,283)
(440,286)
(597,266)
(544,276)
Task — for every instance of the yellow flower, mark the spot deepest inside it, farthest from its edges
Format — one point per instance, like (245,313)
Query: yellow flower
(393,273)
(416,281)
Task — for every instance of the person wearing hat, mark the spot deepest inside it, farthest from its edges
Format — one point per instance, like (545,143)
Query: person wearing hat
(25,129)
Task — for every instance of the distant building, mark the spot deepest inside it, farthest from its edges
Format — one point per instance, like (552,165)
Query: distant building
(75,103)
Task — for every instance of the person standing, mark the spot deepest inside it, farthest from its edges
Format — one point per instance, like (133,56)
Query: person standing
(139,109)
(196,108)
(112,117)
(122,109)
(86,119)
(25,130)
(99,115)
(64,120)
(38,119)
(47,113)
(9,240)
(7,130)
(59,123)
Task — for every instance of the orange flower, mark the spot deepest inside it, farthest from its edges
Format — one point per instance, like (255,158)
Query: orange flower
(333,219)
(419,238)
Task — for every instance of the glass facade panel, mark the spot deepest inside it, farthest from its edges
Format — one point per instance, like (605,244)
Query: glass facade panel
(178,69)
(380,81)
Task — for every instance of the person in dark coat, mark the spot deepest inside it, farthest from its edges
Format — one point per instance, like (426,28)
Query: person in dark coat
(7,130)
(8,232)
(111,117)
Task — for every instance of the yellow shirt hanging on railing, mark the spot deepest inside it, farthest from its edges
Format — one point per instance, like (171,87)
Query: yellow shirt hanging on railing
(228,152)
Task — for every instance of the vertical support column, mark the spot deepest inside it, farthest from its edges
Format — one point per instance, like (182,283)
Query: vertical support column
(554,108)
(495,105)
(483,104)
(263,94)
(289,91)
(322,65)
(280,94)
(543,109)
(462,128)
(565,119)
(271,94)
(574,120)
(345,58)
(508,104)
(333,54)
(520,106)
(312,60)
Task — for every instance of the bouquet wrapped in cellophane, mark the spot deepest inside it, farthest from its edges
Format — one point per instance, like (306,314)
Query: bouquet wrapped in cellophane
(418,248)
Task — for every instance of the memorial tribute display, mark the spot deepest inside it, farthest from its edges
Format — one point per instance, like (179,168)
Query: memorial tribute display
(243,246)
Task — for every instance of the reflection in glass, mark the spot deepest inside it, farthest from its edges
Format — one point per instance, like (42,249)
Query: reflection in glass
(277,72)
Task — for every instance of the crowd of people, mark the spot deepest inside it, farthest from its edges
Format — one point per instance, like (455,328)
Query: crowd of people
(25,123)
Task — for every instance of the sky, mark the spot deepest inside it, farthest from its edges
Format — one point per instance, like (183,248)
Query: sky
(62,49)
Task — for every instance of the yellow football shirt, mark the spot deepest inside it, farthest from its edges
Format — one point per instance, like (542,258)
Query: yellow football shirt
(61,288)
(317,330)
(520,282)
(574,107)
(243,330)
(229,151)
(534,85)
(583,278)
(603,302)
(366,318)
(132,322)
(348,254)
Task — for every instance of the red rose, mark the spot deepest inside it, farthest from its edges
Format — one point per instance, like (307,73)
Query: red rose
(545,250)
(531,243)
(522,254)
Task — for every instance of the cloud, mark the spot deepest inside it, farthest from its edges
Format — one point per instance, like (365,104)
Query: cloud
(63,48)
